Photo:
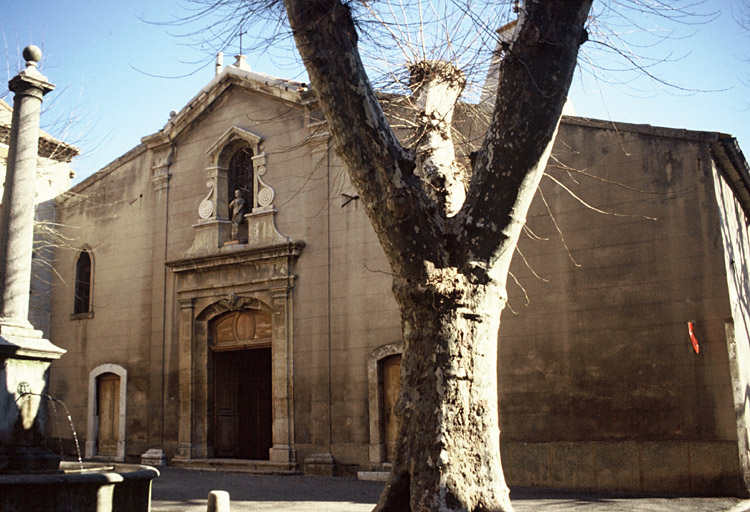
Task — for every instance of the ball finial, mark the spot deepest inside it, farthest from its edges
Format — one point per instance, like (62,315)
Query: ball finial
(32,53)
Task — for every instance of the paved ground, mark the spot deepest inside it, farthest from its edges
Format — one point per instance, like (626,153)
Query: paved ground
(186,490)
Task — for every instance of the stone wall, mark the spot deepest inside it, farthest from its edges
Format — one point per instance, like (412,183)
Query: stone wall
(734,230)
(598,377)
(111,215)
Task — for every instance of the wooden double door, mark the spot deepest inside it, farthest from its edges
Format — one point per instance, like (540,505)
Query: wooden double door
(242,403)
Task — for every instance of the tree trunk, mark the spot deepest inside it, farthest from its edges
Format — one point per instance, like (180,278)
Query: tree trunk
(448,447)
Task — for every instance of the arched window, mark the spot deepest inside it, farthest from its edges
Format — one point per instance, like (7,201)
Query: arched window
(240,175)
(82,300)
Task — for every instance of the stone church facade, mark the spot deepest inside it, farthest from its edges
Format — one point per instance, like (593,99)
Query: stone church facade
(270,341)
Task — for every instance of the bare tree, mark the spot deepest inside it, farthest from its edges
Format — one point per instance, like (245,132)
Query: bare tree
(448,224)
(449,254)
(743,16)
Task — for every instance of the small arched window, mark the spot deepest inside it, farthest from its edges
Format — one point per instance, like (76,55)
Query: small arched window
(82,301)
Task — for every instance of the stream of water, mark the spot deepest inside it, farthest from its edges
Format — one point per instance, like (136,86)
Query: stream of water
(52,400)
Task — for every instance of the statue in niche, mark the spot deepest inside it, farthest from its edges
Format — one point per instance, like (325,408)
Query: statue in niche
(237,209)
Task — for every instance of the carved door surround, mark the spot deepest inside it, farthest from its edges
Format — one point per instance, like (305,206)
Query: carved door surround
(210,286)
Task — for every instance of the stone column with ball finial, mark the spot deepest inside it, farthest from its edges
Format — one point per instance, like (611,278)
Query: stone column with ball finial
(24,355)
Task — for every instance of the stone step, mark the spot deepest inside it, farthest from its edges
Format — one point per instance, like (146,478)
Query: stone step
(261,467)
(373,476)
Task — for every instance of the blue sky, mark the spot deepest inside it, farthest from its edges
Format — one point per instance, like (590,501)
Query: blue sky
(100,55)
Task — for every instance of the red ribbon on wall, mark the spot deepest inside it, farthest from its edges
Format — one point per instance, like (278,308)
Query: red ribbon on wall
(692,338)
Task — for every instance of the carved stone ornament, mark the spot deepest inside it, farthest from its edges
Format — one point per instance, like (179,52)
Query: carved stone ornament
(206,207)
(266,193)
(235,302)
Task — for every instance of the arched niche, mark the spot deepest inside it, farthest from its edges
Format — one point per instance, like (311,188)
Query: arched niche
(238,163)
(237,158)
(220,151)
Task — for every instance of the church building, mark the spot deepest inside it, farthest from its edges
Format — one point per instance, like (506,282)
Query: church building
(226,304)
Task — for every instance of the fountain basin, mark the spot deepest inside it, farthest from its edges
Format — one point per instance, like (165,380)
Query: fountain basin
(95,487)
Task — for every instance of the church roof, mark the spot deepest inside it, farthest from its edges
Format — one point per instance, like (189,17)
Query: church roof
(725,150)
(231,77)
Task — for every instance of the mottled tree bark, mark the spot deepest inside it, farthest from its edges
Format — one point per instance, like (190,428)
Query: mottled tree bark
(449,255)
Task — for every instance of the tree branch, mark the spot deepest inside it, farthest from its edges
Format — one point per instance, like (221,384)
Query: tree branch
(532,89)
(380,168)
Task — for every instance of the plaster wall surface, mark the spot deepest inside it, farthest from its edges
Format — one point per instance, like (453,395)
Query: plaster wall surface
(118,328)
(597,371)
(734,229)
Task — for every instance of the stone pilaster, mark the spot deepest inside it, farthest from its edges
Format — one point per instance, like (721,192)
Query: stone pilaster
(214,227)
(216,179)
(283,370)
(321,343)
(184,427)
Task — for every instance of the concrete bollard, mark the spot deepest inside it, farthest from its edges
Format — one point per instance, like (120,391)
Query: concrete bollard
(218,501)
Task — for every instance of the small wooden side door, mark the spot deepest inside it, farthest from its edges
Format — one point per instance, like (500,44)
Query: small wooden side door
(391,382)
(108,406)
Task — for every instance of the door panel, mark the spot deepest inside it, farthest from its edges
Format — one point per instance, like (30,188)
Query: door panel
(255,415)
(108,406)
(243,410)
(225,397)
(391,385)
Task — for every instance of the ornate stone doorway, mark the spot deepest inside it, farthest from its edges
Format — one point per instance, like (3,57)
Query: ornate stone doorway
(241,399)
(244,291)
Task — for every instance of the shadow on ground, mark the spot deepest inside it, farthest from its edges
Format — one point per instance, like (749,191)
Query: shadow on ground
(187,491)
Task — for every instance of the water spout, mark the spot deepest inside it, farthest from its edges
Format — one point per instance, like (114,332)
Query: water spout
(54,401)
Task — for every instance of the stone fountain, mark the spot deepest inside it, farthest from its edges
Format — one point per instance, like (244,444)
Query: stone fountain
(32,478)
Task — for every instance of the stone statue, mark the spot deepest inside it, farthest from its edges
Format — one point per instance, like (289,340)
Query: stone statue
(237,209)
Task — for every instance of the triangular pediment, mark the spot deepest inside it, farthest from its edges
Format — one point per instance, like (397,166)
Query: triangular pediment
(231,78)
